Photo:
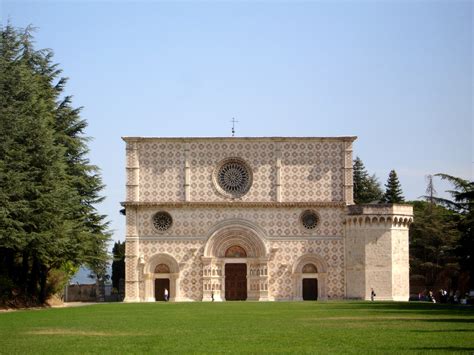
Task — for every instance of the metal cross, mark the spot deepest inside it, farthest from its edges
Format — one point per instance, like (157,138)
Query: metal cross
(234,121)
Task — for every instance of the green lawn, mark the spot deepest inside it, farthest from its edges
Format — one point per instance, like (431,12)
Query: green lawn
(239,327)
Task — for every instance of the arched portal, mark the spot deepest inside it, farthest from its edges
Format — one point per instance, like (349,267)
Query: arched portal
(309,275)
(161,272)
(235,263)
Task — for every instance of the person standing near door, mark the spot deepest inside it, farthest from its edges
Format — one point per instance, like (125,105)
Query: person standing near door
(166,294)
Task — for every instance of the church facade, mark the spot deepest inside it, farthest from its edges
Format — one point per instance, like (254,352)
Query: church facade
(256,219)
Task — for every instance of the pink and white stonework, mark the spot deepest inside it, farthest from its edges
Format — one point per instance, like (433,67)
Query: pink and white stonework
(281,207)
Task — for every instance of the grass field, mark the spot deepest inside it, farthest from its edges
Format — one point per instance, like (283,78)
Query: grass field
(240,327)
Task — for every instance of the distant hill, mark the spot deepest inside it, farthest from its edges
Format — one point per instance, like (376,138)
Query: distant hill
(82,277)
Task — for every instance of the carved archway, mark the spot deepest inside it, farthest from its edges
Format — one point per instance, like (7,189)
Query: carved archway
(309,266)
(235,242)
(239,235)
(161,266)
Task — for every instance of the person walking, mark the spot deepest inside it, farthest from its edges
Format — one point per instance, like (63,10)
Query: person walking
(372,294)
(166,294)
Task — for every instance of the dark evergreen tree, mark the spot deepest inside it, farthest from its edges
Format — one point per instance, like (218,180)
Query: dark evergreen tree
(366,188)
(47,187)
(118,264)
(434,240)
(463,204)
(393,192)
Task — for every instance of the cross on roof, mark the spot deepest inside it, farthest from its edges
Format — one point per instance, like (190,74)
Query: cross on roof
(234,121)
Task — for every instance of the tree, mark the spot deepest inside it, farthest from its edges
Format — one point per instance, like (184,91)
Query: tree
(393,189)
(462,204)
(118,264)
(47,186)
(366,188)
(434,239)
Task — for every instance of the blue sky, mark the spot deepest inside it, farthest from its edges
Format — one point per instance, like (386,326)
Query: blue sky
(398,74)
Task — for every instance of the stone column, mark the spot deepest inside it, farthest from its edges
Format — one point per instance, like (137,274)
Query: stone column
(133,172)
(132,265)
(187,174)
(278,172)
(297,287)
(347,173)
(149,279)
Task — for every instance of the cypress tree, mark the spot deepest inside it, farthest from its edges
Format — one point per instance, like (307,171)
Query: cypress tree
(393,192)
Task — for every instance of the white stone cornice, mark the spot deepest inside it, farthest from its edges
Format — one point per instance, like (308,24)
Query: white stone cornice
(239,139)
(234,204)
(204,238)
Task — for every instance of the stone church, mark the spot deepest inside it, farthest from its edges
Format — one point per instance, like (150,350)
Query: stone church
(263,219)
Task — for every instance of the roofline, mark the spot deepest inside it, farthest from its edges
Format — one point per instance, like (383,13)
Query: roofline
(217,139)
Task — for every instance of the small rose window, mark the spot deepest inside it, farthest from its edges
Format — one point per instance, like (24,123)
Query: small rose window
(162,221)
(309,219)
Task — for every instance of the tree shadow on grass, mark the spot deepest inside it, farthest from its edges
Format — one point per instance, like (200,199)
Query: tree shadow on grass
(449,320)
(443,331)
(411,307)
(443,348)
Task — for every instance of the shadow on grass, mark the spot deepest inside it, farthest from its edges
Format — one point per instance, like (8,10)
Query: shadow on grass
(449,320)
(443,348)
(415,307)
(443,331)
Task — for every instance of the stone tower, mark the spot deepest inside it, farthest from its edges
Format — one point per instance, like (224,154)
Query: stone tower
(376,248)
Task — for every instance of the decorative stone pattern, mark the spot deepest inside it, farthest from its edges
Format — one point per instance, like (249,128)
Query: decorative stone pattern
(280,267)
(206,156)
(312,171)
(276,204)
(161,171)
(304,169)
(277,222)
(187,254)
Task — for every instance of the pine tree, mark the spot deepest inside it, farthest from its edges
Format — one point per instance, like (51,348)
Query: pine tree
(393,192)
(47,190)
(366,188)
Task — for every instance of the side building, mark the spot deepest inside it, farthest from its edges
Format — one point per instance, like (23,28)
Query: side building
(256,219)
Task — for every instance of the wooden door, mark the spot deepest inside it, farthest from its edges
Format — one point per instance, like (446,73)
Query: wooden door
(235,282)
(310,289)
(160,285)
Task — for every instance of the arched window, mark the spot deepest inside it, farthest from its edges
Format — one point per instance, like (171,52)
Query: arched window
(235,252)
(310,269)
(162,269)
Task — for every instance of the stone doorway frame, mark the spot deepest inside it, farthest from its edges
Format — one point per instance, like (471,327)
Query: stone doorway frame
(246,235)
(149,276)
(298,276)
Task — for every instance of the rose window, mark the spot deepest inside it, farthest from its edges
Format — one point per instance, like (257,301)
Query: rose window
(162,221)
(309,219)
(233,177)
